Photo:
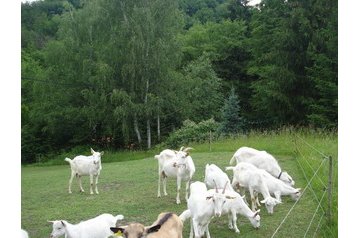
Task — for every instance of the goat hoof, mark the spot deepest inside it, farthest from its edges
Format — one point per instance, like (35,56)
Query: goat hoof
(178,202)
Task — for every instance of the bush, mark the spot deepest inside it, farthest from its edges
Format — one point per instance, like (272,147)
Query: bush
(192,132)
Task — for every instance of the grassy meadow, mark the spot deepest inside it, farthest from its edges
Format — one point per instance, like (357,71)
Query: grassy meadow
(129,187)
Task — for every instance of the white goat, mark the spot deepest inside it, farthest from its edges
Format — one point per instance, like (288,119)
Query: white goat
(278,187)
(98,227)
(168,225)
(86,165)
(216,178)
(202,207)
(248,176)
(262,160)
(178,164)
(24,234)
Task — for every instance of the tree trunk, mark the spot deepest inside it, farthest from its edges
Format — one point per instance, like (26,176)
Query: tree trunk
(158,127)
(137,130)
(149,135)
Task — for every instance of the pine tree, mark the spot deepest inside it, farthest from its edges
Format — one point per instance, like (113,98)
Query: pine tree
(232,121)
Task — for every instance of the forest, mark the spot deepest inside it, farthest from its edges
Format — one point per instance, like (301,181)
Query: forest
(134,74)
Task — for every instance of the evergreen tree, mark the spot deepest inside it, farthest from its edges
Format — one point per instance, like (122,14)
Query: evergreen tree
(232,122)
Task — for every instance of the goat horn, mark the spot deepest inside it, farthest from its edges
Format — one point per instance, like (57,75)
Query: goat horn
(188,148)
(216,187)
(225,187)
(181,148)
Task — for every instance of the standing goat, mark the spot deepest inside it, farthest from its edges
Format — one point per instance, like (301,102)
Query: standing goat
(248,176)
(178,164)
(262,160)
(215,177)
(98,227)
(202,207)
(168,225)
(278,188)
(86,165)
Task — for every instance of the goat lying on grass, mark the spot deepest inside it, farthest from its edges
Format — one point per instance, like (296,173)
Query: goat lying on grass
(168,225)
(83,166)
(98,227)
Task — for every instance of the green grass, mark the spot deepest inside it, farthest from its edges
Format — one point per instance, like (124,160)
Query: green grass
(130,188)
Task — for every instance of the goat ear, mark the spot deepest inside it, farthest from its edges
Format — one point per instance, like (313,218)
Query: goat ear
(117,230)
(243,197)
(92,151)
(102,153)
(63,223)
(263,201)
(153,229)
(51,221)
(298,189)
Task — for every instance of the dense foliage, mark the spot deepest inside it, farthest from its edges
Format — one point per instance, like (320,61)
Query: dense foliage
(113,73)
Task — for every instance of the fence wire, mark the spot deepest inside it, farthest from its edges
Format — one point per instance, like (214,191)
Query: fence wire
(304,190)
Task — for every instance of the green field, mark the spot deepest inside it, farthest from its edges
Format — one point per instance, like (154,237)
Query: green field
(130,188)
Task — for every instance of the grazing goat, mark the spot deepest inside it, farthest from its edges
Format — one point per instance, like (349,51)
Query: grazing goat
(177,164)
(24,234)
(248,176)
(216,178)
(98,227)
(278,187)
(86,165)
(202,207)
(168,225)
(262,160)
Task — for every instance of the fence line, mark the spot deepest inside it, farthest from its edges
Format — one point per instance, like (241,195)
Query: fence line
(312,146)
(319,205)
(299,151)
(304,190)
(314,194)
(319,223)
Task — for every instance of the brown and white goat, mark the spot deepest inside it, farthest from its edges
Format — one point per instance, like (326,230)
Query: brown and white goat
(168,225)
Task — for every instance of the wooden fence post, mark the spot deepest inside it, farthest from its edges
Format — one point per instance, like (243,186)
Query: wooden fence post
(210,140)
(329,190)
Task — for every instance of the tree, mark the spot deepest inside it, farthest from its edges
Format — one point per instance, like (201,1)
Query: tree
(232,120)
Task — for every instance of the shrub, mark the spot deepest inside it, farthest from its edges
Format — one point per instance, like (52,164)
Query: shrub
(192,132)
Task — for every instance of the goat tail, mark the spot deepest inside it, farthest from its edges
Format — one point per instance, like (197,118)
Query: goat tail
(119,217)
(68,160)
(185,215)
(232,160)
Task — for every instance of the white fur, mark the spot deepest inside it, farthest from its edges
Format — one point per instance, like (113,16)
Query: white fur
(278,187)
(86,165)
(215,177)
(202,207)
(177,164)
(24,234)
(98,227)
(262,160)
(248,176)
